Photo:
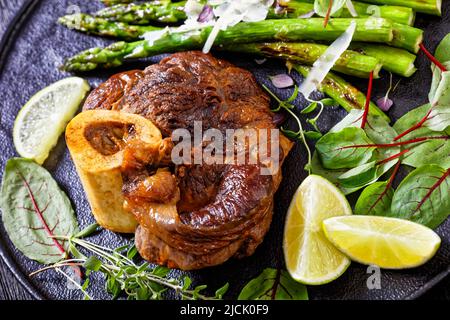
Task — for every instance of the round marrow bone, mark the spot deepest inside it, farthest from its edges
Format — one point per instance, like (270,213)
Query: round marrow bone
(98,141)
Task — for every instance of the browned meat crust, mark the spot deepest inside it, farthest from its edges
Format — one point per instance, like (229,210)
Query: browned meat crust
(223,210)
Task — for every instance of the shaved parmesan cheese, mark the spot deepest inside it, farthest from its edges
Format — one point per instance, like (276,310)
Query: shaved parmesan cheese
(326,61)
(351,8)
(231,12)
(226,13)
(152,36)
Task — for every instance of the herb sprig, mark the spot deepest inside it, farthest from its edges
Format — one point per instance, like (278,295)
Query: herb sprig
(124,276)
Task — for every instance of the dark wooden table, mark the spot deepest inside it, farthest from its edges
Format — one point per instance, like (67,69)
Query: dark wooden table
(10,289)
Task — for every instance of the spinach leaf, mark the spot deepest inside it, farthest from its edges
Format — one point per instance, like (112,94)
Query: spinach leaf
(428,152)
(34,210)
(375,200)
(321,7)
(336,151)
(273,284)
(422,196)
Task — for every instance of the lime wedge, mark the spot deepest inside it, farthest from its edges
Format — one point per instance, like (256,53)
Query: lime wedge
(43,119)
(310,257)
(389,243)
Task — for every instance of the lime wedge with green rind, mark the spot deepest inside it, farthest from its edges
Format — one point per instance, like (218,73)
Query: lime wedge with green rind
(44,117)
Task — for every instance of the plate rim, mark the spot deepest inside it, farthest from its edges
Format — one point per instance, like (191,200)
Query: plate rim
(6,42)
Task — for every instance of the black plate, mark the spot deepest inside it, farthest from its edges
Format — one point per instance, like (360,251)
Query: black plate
(34,47)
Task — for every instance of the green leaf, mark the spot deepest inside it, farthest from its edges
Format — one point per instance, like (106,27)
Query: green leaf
(439,119)
(93,264)
(273,284)
(314,135)
(439,85)
(143,267)
(423,196)
(375,200)
(86,232)
(442,52)
(440,88)
(321,7)
(222,290)
(428,152)
(359,176)
(378,130)
(132,251)
(161,271)
(186,282)
(142,293)
(35,209)
(130,270)
(313,106)
(328,102)
(75,252)
(113,287)
(336,151)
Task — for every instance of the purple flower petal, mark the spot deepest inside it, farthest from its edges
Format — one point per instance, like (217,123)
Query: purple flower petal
(279,118)
(206,15)
(385,103)
(260,61)
(282,81)
(307,15)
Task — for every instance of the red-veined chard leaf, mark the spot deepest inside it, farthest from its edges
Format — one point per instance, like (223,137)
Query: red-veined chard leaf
(375,200)
(273,284)
(439,95)
(380,132)
(442,53)
(439,119)
(440,87)
(336,151)
(429,152)
(321,7)
(359,176)
(423,196)
(34,209)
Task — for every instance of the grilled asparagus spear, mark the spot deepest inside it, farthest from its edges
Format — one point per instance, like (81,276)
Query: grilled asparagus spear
(350,62)
(371,30)
(392,59)
(162,11)
(341,91)
(102,27)
(146,13)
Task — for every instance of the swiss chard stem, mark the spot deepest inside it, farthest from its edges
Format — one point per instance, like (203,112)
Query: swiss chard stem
(388,185)
(395,144)
(414,127)
(367,104)
(432,189)
(395,156)
(432,58)
(327,16)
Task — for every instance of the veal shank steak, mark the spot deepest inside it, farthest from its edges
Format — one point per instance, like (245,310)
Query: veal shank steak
(222,210)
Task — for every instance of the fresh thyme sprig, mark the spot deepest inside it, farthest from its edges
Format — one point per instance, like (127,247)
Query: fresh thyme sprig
(123,275)
(289,107)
